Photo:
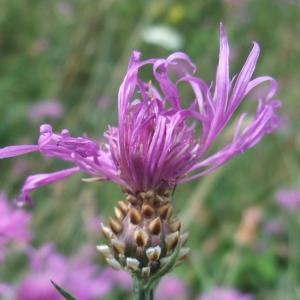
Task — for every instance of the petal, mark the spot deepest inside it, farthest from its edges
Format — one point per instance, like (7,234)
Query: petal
(200,90)
(262,79)
(36,181)
(180,65)
(243,79)
(11,151)
(222,77)
(264,122)
(128,85)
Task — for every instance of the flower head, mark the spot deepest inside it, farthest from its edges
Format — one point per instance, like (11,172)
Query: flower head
(155,145)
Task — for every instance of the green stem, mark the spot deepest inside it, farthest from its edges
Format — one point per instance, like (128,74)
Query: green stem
(142,291)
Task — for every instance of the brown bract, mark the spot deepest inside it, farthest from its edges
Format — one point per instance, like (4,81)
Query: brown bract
(143,234)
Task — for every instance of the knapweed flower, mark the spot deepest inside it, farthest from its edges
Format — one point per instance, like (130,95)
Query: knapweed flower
(120,279)
(288,199)
(6,291)
(224,294)
(160,142)
(45,109)
(14,225)
(79,276)
(155,146)
(274,227)
(171,288)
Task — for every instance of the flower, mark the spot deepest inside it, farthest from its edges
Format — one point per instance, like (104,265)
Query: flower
(171,288)
(46,108)
(6,291)
(224,294)
(14,225)
(76,275)
(121,279)
(155,145)
(274,227)
(288,199)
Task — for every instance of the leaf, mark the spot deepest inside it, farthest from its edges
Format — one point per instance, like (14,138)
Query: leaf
(65,294)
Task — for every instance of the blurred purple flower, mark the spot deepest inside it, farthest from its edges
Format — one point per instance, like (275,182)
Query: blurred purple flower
(45,109)
(155,145)
(119,278)
(6,291)
(224,294)
(288,199)
(171,288)
(274,227)
(14,225)
(81,278)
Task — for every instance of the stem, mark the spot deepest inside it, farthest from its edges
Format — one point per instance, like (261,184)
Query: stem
(145,294)
(142,291)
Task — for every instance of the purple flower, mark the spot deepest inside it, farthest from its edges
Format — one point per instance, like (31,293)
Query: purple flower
(155,145)
(119,278)
(47,108)
(6,291)
(274,227)
(171,288)
(224,294)
(81,278)
(289,199)
(14,225)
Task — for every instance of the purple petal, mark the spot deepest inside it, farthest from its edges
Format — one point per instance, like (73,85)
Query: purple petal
(243,78)
(181,65)
(36,181)
(222,78)
(11,151)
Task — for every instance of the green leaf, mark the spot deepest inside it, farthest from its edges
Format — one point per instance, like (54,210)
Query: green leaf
(65,294)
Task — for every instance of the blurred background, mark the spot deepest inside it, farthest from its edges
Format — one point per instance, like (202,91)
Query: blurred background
(62,62)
